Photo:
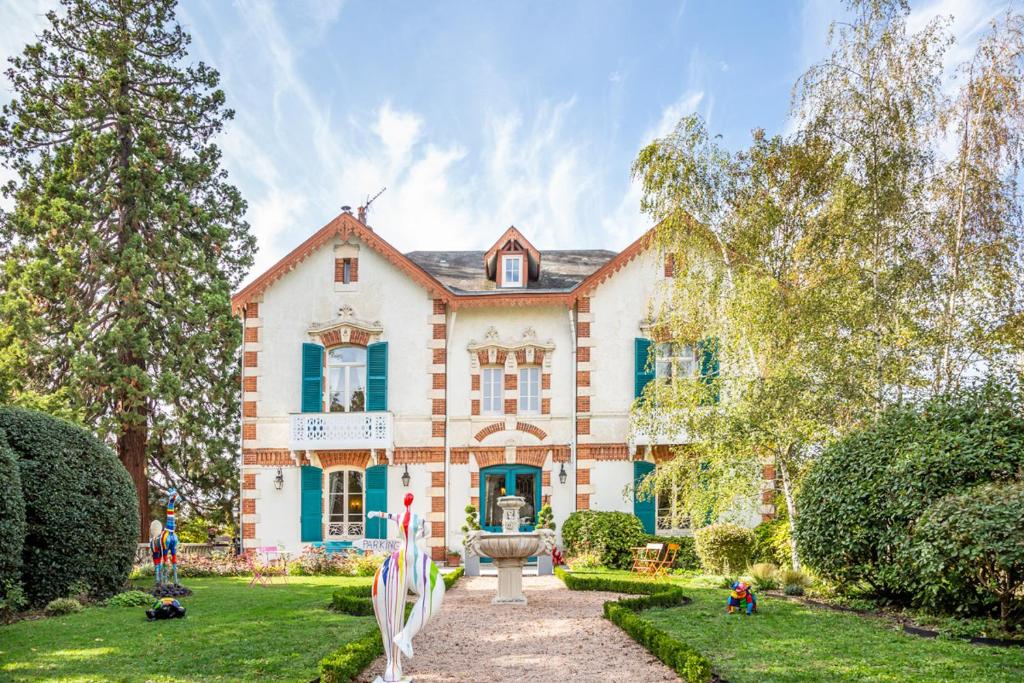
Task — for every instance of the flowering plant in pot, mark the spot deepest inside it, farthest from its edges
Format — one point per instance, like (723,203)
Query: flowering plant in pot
(472,524)
(454,557)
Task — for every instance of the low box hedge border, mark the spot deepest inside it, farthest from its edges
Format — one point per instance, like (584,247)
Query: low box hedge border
(679,656)
(348,661)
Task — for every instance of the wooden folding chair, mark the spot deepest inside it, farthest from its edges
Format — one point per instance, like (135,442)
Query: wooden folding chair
(665,560)
(263,564)
(645,558)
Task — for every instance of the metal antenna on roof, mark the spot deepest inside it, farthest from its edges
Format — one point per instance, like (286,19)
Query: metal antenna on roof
(365,207)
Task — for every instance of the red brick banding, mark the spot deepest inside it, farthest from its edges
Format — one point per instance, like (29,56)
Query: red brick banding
(439,307)
(603,451)
(347,458)
(267,457)
(561,453)
(532,455)
(488,430)
(485,457)
(531,429)
(418,455)
(460,456)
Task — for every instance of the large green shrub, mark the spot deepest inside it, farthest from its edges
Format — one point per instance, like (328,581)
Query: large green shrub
(724,548)
(612,535)
(80,507)
(969,550)
(861,497)
(686,558)
(12,517)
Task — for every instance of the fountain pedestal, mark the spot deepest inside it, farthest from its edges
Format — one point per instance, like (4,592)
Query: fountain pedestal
(509,550)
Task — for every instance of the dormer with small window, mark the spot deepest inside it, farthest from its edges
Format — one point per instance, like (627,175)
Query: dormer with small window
(512,262)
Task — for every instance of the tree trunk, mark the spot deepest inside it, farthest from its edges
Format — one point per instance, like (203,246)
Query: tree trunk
(787,492)
(131,449)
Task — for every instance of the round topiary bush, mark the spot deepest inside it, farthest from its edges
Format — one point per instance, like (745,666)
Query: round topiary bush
(81,513)
(861,497)
(60,606)
(969,551)
(12,517)
(724,548)
(612,535)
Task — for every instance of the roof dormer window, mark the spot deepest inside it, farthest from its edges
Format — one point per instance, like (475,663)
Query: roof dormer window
(512,270)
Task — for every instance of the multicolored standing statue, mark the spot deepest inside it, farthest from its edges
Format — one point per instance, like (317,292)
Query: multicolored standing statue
(164,542)
(740,597)
(407,569)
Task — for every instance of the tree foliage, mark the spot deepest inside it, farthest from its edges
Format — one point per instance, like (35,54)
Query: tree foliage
(125,242)
(12,517)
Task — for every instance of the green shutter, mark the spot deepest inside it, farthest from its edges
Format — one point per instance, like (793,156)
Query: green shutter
(312,378)
(643,507)
(708,349)
(377,376)
(311,509)
(376,499)
(643,368)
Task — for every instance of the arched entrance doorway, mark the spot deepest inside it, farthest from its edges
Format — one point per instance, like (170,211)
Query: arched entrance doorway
(509,480)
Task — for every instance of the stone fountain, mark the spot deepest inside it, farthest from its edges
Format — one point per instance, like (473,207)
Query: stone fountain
(510,548)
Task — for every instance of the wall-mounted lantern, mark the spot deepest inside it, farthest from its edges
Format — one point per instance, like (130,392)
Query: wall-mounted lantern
(405,477)
(562,474)
(279,480)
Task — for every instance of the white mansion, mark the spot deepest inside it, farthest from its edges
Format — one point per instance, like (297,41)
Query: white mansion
(458,376)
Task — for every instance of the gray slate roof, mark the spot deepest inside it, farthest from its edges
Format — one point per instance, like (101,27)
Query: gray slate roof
(463,271)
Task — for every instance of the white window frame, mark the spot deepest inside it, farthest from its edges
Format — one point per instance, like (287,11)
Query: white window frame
(346,374)
(670,520)
(346,526)
(508,260)
(492,379)
(529,390)
(673,361)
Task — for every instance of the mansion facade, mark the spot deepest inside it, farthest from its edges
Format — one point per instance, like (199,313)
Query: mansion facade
(457,376)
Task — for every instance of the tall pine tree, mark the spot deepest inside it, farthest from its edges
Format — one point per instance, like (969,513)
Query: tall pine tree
(125,241)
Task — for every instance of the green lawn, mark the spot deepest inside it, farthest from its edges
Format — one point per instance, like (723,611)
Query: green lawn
(232,632)
(788,642)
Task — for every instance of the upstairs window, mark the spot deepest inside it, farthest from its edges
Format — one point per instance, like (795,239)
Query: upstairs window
(346,379)
(529,390)
(492,380)
(512,271)
(675,361)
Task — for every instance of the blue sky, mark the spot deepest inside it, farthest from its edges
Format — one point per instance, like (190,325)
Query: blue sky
(478,115)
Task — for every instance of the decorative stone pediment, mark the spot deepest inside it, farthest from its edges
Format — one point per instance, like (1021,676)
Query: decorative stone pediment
(346,328)
(526,349)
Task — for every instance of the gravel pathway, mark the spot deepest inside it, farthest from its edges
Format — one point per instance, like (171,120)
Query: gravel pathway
(559,636)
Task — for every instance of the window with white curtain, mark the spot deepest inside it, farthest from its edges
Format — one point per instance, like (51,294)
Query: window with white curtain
(491,381)
(529,390)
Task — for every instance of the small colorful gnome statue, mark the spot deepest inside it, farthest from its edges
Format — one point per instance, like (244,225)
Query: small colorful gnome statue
(740,595)
(165,608)
(408,569)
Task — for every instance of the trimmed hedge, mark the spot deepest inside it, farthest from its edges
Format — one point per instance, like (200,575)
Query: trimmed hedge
(686,558)
(12,517)
(612,535)
(724,548)
(679,656)
(348,661)
(82,518)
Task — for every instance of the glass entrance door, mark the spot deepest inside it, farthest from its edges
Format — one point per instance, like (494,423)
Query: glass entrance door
(509,480)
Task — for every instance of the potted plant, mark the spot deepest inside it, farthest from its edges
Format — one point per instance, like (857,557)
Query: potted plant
(454,557)
(545,520)
(472,524)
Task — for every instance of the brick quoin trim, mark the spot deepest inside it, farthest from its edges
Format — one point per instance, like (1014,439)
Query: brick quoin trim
(474,407)
(583,303)
(460,456)
(252,334)
(532,455)
(439,330)
(583,378)
(437,504)
(437,529)
(582,501)
(437,478)
(768,472)
(437,553)
(545,478)
(418,455)
(474,382)
(560,453)
(488,430)
(474,479)
(437,428)
(603,451)
(583,404)
(583,425)
(248,432)
(583,354)
(252,310)
(475,501)
(249,506)
(545,380)
(583,330)
(438,357)
(510,406)
(438,408)
(359,458)
(485,457)
(249,408)
(439,307)
(249,384)
(438,380)
(250,359)
(531,429)
(268,457)
(249,482)
(511,381)
(545,406)
(248,530)
(583,475)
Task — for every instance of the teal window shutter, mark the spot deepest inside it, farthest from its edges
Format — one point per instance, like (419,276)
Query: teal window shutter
(376,499)
(708,349)
(377,376)
(643,507)
(311,509)
(312,378)
(643,367)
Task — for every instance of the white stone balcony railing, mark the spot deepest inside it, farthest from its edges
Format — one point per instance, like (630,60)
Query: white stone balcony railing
(641,437)
(344,529)
(323,431)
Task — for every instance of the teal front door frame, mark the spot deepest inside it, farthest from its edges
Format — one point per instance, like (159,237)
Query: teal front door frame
(508,480)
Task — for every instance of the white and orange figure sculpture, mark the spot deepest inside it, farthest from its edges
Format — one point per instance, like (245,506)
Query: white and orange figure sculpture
(407,569)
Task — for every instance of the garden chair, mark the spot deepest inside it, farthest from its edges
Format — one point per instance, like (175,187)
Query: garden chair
(645,557)
(264,564)
(664,561)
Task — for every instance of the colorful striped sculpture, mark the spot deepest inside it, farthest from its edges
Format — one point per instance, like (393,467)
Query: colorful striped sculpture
(164,542)
(407,569)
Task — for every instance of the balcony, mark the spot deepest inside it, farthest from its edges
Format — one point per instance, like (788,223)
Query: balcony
(341,431)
